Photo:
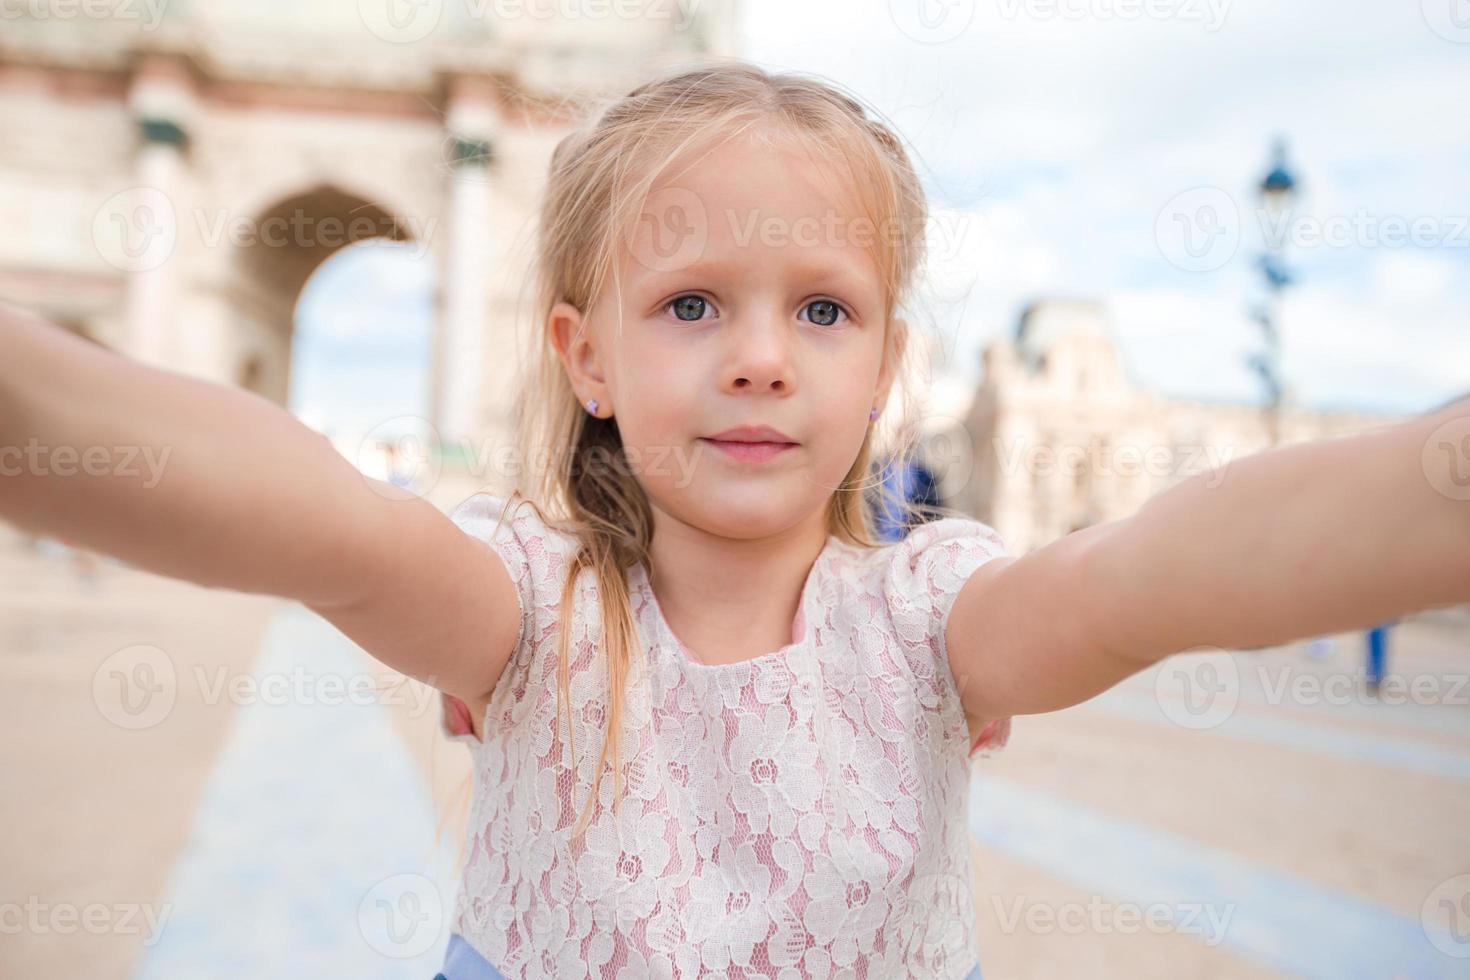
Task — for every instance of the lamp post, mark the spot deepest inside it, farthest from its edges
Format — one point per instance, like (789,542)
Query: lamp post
(1277,191)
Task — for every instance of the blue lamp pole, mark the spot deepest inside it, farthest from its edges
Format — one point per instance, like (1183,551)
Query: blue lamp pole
(1277,191)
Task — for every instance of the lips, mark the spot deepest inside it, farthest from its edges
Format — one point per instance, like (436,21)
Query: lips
(752,443)
(752,433)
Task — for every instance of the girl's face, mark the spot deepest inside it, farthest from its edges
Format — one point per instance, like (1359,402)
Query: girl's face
(749,296)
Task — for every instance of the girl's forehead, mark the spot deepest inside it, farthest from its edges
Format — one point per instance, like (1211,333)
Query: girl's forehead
(745,204)
(680,241)
(759,168)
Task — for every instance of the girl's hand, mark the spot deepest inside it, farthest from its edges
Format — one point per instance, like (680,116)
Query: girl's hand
(221,487)
(1298,541)
(457,717)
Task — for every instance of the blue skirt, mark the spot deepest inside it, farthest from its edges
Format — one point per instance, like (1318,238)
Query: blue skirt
(462,962)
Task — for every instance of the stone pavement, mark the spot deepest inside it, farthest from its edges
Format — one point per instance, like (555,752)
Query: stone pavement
(272,806)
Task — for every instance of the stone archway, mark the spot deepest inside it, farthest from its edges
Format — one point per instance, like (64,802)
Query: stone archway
(215,116)
(277,252)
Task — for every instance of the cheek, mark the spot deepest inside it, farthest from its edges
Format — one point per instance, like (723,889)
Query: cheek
(847,397)
(657,397)
(842,439)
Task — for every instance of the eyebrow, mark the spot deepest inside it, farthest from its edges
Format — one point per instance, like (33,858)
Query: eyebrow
(826,271)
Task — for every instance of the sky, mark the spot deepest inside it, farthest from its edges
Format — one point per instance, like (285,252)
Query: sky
(360,357)
(1107,150)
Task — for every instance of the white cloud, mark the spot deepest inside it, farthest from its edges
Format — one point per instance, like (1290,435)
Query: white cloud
(1063,139)
(363,342)
(369,292)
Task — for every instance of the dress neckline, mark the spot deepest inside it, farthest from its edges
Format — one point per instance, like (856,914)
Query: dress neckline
(644,587)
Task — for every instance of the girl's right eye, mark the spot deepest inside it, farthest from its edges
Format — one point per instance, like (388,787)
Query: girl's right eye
(689,307)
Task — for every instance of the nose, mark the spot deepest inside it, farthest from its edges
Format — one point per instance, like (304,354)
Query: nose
(760,358)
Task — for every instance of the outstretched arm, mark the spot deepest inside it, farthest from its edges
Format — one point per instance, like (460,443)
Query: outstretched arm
(220,487)
(1313,538)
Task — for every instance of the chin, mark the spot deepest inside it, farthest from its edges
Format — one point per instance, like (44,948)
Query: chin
(753,514)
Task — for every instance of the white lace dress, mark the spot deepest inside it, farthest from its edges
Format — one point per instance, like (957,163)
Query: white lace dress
(799,815)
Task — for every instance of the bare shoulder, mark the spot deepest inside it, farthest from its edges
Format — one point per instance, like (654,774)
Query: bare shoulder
(975,641)
(1034,633)
(442,606)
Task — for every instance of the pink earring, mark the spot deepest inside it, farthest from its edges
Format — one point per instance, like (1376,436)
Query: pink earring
(592,405)
(873,415)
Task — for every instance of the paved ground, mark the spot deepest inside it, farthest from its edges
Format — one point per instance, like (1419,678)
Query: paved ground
(261,812)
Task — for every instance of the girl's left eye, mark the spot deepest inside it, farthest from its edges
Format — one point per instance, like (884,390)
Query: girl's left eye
(689,308)
(825,311)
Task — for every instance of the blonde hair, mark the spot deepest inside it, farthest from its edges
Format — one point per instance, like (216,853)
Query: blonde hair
(599,179)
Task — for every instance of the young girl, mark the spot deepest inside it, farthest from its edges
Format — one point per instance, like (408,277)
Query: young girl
(718,729)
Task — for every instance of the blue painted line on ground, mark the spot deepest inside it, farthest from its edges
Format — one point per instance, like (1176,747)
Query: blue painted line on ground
(1393,751)
(308,808)
(1275,919)
(1336,693)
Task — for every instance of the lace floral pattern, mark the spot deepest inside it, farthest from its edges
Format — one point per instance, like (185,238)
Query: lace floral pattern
(798,815)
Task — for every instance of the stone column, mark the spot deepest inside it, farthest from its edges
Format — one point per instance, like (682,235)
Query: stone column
(150,235)
(147,219)
(459,346)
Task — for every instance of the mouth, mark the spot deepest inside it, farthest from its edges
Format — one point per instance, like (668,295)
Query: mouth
(750,452)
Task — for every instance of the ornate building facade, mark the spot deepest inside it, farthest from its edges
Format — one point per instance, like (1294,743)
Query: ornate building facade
(1058,436)
(172,174)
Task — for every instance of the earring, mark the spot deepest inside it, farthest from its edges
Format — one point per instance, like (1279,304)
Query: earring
(873,415)
(592,405)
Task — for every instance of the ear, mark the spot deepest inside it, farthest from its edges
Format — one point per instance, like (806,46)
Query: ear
(897,341)
(572,337)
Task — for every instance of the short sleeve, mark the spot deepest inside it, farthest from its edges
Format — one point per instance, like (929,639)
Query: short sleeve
(926,572)
(526,547)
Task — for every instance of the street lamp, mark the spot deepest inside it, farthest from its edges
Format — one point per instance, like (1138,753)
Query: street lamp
(1277,191)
